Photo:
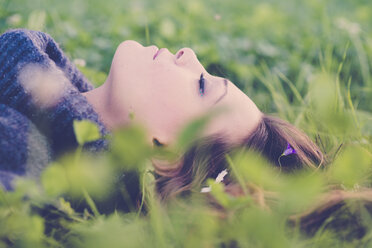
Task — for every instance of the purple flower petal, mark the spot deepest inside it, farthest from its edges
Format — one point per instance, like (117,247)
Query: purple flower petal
(289,150)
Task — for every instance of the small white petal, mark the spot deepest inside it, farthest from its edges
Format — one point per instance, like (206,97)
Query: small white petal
(46,85)
(80,62)
(206,189)
(220,176)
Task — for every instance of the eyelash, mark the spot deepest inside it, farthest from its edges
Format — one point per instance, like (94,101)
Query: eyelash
(201,85)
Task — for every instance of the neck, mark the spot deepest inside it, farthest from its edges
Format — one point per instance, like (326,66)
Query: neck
(111,115)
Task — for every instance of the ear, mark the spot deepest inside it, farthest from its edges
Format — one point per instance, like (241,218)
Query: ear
(156,142)
(159,138)
(161,164)
(164,167)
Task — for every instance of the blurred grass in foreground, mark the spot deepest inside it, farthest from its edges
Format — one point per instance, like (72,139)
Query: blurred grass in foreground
(309,61)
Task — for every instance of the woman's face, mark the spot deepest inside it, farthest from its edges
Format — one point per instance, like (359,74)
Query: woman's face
(162,90)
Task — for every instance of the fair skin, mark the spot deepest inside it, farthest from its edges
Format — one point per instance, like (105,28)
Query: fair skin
(163,93)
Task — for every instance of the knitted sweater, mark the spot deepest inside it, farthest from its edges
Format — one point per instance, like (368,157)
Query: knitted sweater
(40,97)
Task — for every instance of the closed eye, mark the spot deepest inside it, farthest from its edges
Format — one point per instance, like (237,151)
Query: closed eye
(201,85)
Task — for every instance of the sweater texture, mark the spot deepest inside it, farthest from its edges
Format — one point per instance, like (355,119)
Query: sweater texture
(40,97)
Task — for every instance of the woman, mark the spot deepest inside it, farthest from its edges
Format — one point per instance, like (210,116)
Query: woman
(40,97)
(41,93)
(165,91)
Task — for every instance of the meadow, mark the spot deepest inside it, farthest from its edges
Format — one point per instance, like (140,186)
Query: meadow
(307,61)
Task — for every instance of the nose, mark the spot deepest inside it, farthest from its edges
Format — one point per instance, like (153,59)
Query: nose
(187,57)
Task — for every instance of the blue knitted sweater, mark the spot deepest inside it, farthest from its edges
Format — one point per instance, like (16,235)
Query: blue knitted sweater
(40,97)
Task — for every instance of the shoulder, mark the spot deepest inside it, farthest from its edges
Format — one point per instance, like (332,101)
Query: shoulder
(13,131)
(23,40)
(24,150)
(20,47)
(21,33)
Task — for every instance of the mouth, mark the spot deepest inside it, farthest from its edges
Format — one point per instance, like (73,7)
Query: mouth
(158,52)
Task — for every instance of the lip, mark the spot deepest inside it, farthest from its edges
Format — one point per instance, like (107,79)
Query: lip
(158,52)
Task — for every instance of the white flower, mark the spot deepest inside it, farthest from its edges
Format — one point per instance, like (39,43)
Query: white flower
(217,17)
(219,179)
(352,27)
(46,85)
(80,62)
(220,176)
(206,189)
(14,20)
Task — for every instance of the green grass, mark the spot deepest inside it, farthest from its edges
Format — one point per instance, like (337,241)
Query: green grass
(309,61)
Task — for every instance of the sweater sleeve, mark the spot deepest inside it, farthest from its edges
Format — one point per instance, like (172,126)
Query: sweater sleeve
(38,81)
(19,47)
(24,151)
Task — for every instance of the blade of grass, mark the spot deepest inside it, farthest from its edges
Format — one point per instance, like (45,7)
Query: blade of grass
(351,106)
(237,175)
(91,203)
(291,86)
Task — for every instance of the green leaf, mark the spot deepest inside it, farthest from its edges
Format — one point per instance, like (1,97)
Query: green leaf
(37,20)
(129,146)
(217,190)
(299,191)
(65,206)
(251,167)
(193,129)
(94,76)
(86,131)
(91,173)
(352,166)
(54,180)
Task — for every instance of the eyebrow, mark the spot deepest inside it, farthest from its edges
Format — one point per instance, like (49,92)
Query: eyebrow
(224,94)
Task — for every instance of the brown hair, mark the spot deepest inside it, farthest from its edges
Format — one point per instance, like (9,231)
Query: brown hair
(206,158)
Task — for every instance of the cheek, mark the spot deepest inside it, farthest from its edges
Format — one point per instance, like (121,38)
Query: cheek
(162,96)
(175,95)
(166,106)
